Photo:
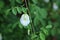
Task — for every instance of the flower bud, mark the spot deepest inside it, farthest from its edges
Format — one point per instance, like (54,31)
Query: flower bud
(0,36)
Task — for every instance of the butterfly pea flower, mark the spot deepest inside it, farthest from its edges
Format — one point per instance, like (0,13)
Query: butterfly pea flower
(25,19)
(55,6)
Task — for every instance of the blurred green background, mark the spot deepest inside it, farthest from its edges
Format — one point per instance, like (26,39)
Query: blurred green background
(44,17)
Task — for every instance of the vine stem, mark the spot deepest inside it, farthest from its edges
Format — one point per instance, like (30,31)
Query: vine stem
(27,6)
(28,11)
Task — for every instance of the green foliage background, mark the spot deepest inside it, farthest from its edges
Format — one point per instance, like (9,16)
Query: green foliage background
(44,20)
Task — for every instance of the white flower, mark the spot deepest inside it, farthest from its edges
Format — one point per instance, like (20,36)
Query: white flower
(55,7)
(46,1)
(25,19)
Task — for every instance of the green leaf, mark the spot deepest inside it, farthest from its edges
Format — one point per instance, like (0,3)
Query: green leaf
(42,36)
(19,9)
(45,31)
(24,9)
(33,36)
(14,11)
(49,26)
